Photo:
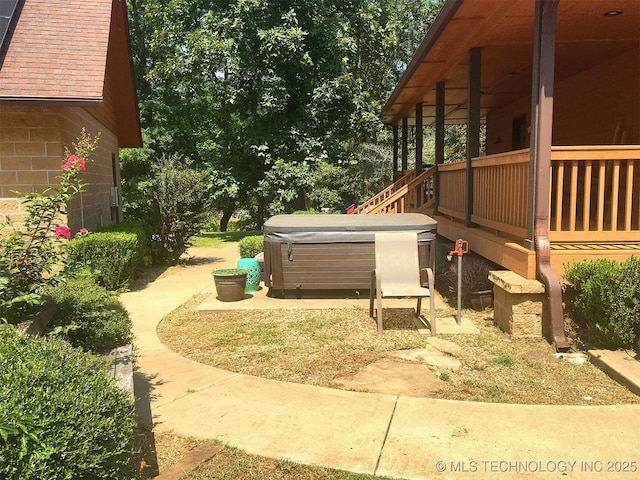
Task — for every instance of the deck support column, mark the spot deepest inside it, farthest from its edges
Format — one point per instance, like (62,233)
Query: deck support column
(419,141)
(395,152)
(439,147)
(473,125)
(540,164)
(405,144)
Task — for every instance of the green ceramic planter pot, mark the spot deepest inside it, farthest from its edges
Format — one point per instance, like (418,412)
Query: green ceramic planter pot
(253,273)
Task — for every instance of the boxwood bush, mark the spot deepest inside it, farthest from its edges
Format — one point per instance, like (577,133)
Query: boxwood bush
(141,231)
(61,416)
(251,246)
(607,300)
(112,256)
(98,319)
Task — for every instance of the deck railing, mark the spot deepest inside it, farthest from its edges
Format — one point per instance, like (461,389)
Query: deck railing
(386,199)
(409,194)
(595,193)
(453,194)
(500,185)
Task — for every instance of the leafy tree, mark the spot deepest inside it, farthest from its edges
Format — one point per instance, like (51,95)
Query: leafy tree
(272,95)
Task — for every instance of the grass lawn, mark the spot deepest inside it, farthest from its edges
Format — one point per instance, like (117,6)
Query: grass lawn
(316,346)
(232,463)
(220,239)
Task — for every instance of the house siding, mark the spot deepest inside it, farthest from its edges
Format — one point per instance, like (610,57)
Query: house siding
(585,112)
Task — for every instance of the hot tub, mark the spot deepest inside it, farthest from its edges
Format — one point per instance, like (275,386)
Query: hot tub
(313,253)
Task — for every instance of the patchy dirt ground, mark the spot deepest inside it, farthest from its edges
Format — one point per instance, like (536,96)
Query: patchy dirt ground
(318,347)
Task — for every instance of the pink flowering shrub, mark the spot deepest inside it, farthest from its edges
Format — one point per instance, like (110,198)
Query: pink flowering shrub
(74,163)
(62,231)
(31,254)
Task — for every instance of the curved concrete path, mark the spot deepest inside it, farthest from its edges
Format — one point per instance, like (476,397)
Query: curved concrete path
(396,436)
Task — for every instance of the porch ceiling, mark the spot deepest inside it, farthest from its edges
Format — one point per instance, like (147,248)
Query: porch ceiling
(504,30)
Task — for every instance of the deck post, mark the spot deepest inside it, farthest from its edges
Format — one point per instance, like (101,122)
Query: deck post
(541,141)
(395,151)
(419,141)
(473,125)
(405,143)
(439,147)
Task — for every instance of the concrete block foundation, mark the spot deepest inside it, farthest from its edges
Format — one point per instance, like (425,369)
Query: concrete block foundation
(517,303)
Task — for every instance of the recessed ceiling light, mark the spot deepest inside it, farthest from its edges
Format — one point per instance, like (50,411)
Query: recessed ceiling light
(613,13)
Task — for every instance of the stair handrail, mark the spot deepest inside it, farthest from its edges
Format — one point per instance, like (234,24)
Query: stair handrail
(402,195)
(384,194)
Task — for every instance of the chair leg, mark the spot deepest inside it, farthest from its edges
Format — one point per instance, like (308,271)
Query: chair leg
(372,292)
(432,316)
(419,306)
(432,301)
(379,312)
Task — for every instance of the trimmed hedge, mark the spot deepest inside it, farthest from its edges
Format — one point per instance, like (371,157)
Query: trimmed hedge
(61,416)
(112,255)
(98,319)
(251,246)
(141,231)
(607,299)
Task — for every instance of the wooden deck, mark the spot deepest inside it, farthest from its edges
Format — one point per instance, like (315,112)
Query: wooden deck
(594,204)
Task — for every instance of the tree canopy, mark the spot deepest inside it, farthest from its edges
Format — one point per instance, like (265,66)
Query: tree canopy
(277,99)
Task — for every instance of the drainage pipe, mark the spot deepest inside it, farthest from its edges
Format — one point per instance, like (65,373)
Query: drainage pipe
(541,141)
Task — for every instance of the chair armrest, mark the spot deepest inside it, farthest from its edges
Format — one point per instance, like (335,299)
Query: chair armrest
(427,279)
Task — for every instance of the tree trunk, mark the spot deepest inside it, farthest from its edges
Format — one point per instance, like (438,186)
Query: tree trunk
(300,202)
(224,220)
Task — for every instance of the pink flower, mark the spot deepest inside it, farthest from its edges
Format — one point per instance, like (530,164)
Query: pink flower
(74,162)
(62,231)
(83,231)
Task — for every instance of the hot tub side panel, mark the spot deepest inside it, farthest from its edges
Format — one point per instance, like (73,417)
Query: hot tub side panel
(325,266)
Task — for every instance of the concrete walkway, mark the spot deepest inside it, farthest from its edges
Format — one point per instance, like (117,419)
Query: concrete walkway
(396,436)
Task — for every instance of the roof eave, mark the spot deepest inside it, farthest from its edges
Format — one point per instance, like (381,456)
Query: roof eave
(449,9)
(132,139)
(53,101)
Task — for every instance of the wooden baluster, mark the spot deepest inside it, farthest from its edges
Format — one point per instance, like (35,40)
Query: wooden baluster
(615,195)
(559,195)
(586,203)
(601,189)
(628,205)
(574,196)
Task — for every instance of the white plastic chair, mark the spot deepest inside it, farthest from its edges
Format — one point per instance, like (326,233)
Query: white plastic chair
(398,273)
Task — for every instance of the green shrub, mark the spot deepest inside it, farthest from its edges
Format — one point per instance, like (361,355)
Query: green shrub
(97,318)
(112,257)
(212,225)
(30,254)
(251,246)
(140,230)
(175,200)
(607,300)
(61,416)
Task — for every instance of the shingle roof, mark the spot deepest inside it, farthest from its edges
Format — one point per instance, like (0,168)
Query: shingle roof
(58,51)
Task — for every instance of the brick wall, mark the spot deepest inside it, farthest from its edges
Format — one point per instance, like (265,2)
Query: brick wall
(32,145)
(92,208)
(29,155)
